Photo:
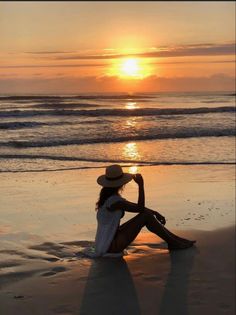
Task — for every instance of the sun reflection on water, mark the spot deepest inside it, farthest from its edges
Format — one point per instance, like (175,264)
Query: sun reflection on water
(131,122)
(131,105)
(130,151)
(133,169)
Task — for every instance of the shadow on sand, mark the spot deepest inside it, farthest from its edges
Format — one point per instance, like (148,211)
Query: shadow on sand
(110,288)
(174,300)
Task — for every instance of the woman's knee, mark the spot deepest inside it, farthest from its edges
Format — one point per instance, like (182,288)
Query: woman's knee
(146,214)
(149,217)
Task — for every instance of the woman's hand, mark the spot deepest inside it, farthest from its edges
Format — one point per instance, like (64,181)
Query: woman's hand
(138,178)
(159,217)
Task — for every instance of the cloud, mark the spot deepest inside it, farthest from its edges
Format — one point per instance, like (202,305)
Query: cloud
(47,52)
(219,82)
(85,65)
(54,66)
(196,50)
(176,51)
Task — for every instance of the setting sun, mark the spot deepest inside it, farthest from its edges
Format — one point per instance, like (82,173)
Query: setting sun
(130,67)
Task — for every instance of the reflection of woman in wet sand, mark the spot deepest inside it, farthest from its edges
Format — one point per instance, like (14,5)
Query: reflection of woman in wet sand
(109,289)
(175,297)
(111,237)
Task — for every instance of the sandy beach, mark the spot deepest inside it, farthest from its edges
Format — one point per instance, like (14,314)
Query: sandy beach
(46,218)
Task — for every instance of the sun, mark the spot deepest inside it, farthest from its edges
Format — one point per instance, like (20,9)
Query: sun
(130,67)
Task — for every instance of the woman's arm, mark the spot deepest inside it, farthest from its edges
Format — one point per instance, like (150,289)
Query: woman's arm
(137,207)
(130,206)
(126,206)
(134,207)
(141,194)
(141,198)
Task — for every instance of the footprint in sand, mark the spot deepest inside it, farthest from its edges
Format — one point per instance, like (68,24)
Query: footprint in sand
(54,271)
(51,259)
(19,296)
(152,278)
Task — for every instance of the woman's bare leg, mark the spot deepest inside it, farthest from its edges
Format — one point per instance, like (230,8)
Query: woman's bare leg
(129,230)
(178,238)
(174,235)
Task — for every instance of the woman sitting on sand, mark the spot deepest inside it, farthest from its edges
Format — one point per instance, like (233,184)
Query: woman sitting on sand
(111,237)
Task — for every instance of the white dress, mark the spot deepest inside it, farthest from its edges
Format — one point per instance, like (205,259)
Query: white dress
(108,222)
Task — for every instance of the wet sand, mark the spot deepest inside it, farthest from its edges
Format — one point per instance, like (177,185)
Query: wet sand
(150,280)
(46,218)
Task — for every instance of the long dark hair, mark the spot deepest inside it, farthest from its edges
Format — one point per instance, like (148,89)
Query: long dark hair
(105,193)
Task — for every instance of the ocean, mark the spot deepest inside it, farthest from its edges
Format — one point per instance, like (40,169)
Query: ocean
(51,132)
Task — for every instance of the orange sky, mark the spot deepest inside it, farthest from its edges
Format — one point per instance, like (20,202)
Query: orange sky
(72,47)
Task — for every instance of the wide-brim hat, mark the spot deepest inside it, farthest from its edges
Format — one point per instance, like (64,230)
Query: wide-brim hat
(114,177)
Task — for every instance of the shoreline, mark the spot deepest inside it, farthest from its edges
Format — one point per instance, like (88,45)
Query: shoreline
(127,164)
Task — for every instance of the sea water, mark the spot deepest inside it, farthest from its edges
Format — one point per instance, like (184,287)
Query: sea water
(52,132)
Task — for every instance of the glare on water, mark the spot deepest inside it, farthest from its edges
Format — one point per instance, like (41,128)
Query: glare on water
(130,151)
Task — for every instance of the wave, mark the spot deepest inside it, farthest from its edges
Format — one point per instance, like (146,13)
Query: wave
(122,164)
(215,101)
(191,133)
(66,158)
(118,112)
(77,97)
(21,124)
(230,94)
(64,104)
(33,124)
(100,160)
(110,96)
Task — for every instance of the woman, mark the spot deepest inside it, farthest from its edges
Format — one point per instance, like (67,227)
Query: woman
(111,237)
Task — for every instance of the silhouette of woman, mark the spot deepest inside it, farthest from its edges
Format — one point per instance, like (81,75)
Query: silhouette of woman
(113,238)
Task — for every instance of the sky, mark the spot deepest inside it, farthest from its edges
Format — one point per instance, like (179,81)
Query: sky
(104,46)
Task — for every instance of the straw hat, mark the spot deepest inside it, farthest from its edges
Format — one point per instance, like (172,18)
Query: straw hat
(114,177)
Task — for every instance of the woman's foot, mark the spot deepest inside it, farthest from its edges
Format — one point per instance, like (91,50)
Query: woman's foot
(189,242)
(183,245)
(184,240)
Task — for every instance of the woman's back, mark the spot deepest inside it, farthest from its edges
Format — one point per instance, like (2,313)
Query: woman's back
(108,222)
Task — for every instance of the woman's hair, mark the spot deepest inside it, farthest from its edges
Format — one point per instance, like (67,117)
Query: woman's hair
(105,193)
